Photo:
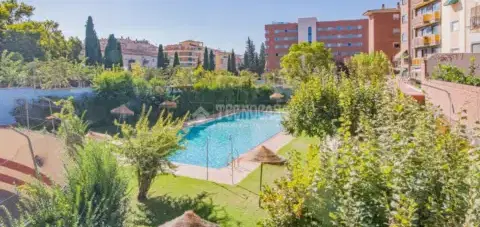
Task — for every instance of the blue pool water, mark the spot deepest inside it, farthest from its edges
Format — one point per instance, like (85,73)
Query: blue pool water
(246,130)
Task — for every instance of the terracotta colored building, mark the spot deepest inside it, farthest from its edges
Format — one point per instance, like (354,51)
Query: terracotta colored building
(345,38)
(384,30)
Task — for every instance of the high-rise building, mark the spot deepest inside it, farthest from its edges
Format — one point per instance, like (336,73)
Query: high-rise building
(345,37)
(434,26)
(384,30)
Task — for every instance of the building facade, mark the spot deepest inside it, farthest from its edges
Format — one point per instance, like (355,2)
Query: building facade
(433,26)
(135,51)
(345,38)
(384,30)
(190,52)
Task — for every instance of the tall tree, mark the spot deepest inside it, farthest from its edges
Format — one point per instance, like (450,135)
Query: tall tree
(120,55)
(176,60)
(249,56)
(211,61)
(113,55)
(205,59)
(261,59)
(167,60)
(229,63)
(160,57)
(92,44)
(233,59)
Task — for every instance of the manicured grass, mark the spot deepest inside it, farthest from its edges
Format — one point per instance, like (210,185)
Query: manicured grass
(228,205)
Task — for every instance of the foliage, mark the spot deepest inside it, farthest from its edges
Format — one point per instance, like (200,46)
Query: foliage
(454,74)
(95,194)
(92,44)
(304,59)
(10,69)
(23,42)
(206,64)
(176,60)
(72,129)
(233,62)
(147,148)
(211,61)
(372,67)
(262,59)
(113,53)
(114,86)
(161,58)
(249,56)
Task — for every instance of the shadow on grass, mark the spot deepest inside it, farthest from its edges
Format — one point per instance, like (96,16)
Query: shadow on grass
(158,210)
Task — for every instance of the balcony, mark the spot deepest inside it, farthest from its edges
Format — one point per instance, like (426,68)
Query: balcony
(437,16)
(436,39)
(417,61)
(427,18)
(428,40)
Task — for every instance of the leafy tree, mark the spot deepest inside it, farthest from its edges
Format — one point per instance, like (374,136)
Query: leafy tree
(25,43)
(147,148)
(176,60)
(11,70)
(211,61)
(95,194)
(92,44)
(161,58)
(74,46)
(114,86)
(206,64)
(304,59)
(374,67)
(112,53)
(13,12)
(261,60)
(72,129)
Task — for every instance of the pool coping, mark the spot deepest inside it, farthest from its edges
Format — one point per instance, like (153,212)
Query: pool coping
(239,168)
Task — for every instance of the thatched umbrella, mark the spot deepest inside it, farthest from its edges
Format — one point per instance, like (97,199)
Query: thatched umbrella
(168,104)
(189,219)
(264,155)
(122,111)
(276,96)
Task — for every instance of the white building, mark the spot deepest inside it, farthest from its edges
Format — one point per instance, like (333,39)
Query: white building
(461,26)
(135,51)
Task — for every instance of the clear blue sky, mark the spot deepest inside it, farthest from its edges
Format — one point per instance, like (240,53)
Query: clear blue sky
(223,24)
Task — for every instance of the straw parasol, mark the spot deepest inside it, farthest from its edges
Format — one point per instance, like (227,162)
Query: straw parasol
(276,96)
(264,155)
(122,111)
(189,219)
(168,104)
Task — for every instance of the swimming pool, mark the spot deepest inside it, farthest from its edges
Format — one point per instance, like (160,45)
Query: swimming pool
(242,131)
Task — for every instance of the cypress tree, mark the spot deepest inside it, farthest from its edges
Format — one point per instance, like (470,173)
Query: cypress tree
(176,60)
(112,56)
(229,64)
(92,44)
(205,60)
(160,57)
(261,60)
(249,61)
(212,61)
(199,63)
(233,59)
(120,55)
(167,60)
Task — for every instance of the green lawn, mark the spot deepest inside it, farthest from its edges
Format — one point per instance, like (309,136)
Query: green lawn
(228,205)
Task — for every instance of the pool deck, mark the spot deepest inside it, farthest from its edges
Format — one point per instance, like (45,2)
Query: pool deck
(241,167)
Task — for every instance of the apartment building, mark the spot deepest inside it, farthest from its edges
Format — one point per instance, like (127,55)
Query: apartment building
(345,37)
(433,26)
(133,50)
(190,52)
(384,30)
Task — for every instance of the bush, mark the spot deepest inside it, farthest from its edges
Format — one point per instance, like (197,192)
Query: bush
(111,85)
(454,74)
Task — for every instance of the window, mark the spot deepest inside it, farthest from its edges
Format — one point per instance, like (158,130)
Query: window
(339,28)
(404,19)
(476,48)
(359,27)
(396,16)
(396,30)
(276,54)
(404,37)
(396,45)
(310,34)
(454,26)
(404,2)
(475,18)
